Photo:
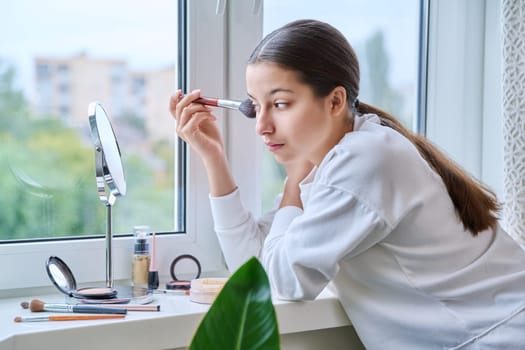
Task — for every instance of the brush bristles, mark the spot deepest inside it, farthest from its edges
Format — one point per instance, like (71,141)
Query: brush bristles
(247,108)
(36,305)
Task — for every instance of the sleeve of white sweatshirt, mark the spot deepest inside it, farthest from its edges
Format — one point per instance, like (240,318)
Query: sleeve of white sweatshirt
(302,250)
(240,235)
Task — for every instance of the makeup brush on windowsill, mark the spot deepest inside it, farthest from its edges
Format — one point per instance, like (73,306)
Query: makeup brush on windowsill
(129,307)
(38,306)
(66,317)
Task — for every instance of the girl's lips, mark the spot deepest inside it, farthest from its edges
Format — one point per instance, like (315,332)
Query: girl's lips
(274,147)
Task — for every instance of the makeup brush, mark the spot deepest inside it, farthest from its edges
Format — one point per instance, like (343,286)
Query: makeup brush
(38,306)
(65,317)
(153,274)
(246,107)
(129,307)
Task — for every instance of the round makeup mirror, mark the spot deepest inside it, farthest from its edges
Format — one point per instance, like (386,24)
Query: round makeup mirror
(109,172)
(111,184)
(109,169)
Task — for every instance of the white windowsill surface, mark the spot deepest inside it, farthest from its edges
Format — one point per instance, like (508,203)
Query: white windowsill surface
(170,328)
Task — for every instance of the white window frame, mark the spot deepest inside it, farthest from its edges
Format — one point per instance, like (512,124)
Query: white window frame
(215,34)
(221,35)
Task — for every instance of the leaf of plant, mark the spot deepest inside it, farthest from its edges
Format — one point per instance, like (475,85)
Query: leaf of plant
(242,317)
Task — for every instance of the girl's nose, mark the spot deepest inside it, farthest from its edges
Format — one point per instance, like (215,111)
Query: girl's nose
(263,124)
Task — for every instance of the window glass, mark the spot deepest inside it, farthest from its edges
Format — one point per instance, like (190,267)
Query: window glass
(56,57)
(385,37)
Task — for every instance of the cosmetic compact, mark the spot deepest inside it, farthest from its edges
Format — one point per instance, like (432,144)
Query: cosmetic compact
(183,284)
(63,279)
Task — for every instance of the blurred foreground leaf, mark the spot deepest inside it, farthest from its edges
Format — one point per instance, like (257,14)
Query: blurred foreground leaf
(242,317)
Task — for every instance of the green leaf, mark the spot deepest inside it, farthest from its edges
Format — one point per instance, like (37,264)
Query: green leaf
(242,317)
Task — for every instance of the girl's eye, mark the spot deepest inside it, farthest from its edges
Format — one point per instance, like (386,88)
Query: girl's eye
(280,105)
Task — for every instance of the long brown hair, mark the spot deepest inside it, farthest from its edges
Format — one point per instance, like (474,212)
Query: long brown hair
(324,59)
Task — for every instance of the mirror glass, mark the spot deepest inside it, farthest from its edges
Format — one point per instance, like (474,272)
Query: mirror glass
(63,279)
(109,169)
(60,274)
(58,277)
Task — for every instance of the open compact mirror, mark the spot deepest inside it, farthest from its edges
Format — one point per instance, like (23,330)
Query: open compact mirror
(63,279)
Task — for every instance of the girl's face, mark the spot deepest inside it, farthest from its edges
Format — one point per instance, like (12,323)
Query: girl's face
(294,123)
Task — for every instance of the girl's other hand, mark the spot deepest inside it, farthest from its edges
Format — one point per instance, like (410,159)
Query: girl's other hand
(296,172)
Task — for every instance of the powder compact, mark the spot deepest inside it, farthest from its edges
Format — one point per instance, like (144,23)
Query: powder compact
(205,290)
(63,279)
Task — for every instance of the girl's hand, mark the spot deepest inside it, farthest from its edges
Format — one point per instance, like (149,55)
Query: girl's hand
(196,125)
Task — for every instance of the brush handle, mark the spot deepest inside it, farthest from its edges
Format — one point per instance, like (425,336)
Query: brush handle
(207,101)
(129,307)
(218,102)
(87,309)
(91,309)
(65,318)
(83,317)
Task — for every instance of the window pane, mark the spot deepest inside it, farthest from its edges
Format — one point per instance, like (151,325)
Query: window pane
(56,57)
(384,35)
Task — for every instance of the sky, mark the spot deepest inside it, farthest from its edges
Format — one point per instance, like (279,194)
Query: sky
(144,32)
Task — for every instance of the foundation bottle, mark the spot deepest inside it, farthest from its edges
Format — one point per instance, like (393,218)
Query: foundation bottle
(141,257)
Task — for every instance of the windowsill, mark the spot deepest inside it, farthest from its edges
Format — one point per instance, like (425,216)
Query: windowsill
(172,327)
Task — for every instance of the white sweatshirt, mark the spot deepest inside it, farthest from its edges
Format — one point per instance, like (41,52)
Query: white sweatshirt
(378,222)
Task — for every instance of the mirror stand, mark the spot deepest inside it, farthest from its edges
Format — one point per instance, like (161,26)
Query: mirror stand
(109,240)
(106,185)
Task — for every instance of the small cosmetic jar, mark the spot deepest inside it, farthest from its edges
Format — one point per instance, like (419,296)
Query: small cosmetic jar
(205,290)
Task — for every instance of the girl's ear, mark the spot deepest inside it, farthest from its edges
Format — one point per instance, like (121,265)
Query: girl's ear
(337,100)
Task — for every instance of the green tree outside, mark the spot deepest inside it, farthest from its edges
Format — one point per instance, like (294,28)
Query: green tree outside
(48,186)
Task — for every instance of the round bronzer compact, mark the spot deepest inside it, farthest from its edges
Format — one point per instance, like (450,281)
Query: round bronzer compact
(183,262)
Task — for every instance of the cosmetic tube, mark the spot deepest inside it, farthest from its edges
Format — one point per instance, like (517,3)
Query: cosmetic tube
(153,274)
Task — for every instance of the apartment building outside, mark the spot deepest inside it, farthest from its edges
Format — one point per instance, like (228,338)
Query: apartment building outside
(66,85)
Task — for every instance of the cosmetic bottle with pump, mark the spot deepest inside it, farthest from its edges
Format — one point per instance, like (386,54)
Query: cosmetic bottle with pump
(141,257)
